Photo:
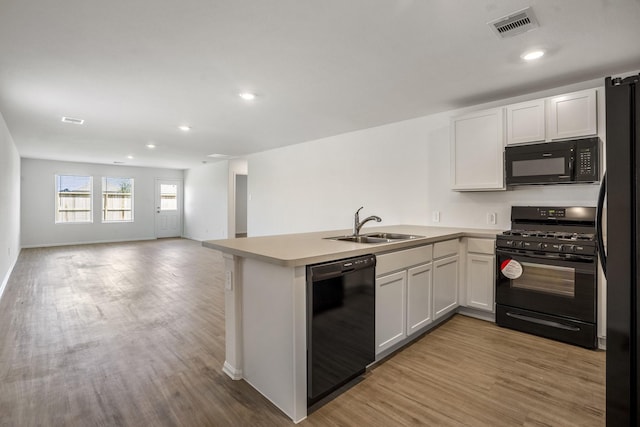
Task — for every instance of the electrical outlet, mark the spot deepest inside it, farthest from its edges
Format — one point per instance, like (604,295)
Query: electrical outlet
(492,218)
(436,216)
(228,280)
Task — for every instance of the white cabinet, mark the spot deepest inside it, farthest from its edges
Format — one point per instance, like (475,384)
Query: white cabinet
(480,270)
(445,277)
(419,297)
(403,295)
(572,115)
(480,281)
(477,151)
(526,122)
(390,310)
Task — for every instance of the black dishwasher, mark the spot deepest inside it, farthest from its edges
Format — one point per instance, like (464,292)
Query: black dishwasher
(340,323)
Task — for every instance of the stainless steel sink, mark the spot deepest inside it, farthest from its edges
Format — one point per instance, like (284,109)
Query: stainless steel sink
(392,236)
(375,238)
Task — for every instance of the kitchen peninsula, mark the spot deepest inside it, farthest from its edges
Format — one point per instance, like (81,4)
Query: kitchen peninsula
(265,296)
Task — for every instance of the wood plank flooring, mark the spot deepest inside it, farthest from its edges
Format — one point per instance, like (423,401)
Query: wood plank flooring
(132,334)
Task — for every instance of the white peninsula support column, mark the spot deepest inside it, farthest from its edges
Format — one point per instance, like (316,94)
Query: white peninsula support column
(233,316)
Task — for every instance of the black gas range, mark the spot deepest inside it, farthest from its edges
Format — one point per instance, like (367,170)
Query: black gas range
(546,278)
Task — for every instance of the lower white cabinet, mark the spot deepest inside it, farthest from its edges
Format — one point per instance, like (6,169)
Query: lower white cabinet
(480,281)
(391,325)
(419,284)
(403,295)
(480,274)
(445,285)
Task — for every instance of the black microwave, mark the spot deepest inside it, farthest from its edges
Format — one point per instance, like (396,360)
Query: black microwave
(559,162)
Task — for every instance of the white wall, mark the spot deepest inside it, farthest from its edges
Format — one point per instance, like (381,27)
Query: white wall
(205,201)
(38,203)
(399,172)
(9,204)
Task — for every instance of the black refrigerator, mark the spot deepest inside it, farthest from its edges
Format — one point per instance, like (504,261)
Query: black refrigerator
(621,262)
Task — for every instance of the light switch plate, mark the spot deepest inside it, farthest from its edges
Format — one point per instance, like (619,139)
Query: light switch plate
(492,218)
(436,216)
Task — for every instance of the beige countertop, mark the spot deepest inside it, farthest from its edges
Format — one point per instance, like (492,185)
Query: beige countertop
(292,250)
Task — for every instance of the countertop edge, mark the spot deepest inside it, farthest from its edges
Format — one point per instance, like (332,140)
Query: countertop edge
(347,252)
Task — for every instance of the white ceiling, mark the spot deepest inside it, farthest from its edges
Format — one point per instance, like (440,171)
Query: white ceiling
(135,70)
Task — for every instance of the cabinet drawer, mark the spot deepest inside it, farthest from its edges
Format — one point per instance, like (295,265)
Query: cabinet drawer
(393,261)
(446,248)
(481,246)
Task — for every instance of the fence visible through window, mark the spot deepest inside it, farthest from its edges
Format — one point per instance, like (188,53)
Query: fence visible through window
(73,199)
(117,199)
(168,197)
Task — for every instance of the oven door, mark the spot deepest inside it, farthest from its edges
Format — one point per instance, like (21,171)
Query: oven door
(547,284)
(540,163)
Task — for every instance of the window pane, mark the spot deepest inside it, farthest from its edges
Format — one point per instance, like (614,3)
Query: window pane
(117,199)
(73,198)
(168,197)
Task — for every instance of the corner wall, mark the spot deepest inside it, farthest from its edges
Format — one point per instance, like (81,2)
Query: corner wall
(38,203)
(9,204)
(205,201)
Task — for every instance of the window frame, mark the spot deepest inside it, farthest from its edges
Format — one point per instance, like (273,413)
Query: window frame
(103,210)
(57,192)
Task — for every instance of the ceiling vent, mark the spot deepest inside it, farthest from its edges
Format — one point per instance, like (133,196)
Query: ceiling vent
(72,120)
(515,23)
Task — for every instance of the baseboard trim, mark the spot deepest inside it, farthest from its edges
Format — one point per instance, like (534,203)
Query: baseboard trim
(5,281)
(93,242)
(478,314)
(233,373)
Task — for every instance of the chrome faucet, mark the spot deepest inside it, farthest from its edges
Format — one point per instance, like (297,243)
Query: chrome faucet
(357,225)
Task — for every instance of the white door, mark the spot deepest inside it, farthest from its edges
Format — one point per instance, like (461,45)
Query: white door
(168,208)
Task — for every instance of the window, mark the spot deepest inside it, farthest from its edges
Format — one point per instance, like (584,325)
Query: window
(168,197)
(117,199)
(73,199)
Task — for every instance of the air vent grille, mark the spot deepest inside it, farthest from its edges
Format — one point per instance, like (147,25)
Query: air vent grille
(72,120)
(513,24)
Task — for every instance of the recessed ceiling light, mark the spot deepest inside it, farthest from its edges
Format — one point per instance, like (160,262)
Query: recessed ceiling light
(218,156)
(129,157)
(151,145)
(73,120)
(184,128)
(534,54)
(247,96)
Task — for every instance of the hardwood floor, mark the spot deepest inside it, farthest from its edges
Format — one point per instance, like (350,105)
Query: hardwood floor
(132,334)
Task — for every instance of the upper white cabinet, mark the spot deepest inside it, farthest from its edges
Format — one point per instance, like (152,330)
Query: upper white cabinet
(526,122)
(477,151)
(572,115)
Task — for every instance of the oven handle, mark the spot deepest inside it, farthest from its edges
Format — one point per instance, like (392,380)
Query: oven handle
(571,257)
(543,322)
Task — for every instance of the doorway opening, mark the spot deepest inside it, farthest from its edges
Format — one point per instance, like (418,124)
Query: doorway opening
(241,205)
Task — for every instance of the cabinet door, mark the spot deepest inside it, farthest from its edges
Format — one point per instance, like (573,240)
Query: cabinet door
(477,151)
(525,122)
(390,310)
(445,285)
(572,115)
(418,297)
(481,281)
